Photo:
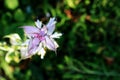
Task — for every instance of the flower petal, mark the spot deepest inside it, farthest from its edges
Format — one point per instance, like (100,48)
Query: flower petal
(51,26)
(24,53)
(56,35)
(41,52)
(33,45)
(30,30)
(50,44)
(24,50)
(44,29)
(38,24)
(55,43)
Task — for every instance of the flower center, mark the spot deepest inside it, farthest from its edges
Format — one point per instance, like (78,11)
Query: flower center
(40,36)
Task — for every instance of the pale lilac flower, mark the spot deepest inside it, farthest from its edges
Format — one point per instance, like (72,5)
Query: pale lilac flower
(41,37)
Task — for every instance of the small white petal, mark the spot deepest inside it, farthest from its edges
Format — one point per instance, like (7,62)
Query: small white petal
(56,35)
(24,54)
(24,50)
(42,53)
(38,24)
(41,50)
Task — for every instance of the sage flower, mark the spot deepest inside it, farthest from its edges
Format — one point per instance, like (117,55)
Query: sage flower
(41,37)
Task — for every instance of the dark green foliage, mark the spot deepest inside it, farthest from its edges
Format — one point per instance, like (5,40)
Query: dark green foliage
(89,48)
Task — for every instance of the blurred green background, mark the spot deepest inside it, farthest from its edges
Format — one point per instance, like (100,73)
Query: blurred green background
(89,48)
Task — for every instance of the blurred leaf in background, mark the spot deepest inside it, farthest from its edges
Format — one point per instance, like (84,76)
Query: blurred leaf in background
(11,4)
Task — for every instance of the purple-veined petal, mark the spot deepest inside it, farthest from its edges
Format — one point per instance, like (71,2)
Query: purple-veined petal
(44,29)
(51,21)
(49,43)
(55,43)
(33,45)
(51,26)
(38,24)
(30,30)
(56,35)
(39,47)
